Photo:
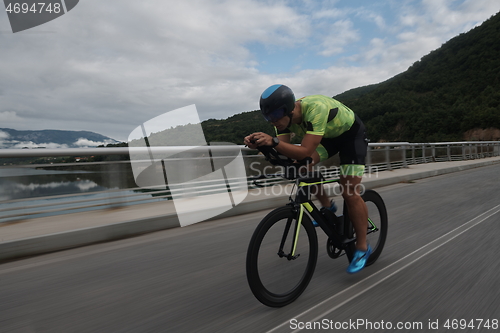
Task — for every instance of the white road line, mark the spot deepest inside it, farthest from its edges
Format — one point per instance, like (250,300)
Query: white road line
(375,279)
(64,6)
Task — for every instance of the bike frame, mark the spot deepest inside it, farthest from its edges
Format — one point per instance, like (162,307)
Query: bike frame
(303,202)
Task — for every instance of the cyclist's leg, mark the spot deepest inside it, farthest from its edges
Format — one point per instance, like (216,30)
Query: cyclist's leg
(352,163)
(321,154)
(358,212)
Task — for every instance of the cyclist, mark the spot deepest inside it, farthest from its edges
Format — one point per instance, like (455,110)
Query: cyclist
(326,127)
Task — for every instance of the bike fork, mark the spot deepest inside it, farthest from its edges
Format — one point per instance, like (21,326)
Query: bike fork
(291,255)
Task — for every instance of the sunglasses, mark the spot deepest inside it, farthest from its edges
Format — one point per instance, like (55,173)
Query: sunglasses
(275,115)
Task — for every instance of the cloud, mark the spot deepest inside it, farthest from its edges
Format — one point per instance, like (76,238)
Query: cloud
(121,65)
(3,141)
(342,33)
(108,68)
(31,145)
(85,143)
(9,116)
(4,135)
(420,28)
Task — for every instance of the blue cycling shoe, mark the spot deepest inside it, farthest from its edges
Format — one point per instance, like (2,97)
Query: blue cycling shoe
(332,208)
(359,260)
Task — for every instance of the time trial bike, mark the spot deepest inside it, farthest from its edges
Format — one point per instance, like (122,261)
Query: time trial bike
(283,250)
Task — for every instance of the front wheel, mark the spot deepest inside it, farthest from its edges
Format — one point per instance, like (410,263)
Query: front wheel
(277,275)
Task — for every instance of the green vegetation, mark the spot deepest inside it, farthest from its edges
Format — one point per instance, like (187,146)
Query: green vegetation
(235,128)
(231,130)
(453,93)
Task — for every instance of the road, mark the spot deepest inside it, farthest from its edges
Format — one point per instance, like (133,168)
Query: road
(440,263)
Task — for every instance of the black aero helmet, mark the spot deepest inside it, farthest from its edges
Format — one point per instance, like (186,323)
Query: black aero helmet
(276,102)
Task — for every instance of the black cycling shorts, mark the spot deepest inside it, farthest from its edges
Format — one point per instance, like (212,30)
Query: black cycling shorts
(351,147)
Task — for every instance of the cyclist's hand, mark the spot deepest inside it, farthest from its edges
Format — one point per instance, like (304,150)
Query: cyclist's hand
(250,142)
(261,139)
(258,139)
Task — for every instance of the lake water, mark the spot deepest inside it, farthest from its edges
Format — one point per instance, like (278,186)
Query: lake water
(21,183)
(24,191)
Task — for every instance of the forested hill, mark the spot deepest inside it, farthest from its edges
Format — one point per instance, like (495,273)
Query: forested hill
(235,128)
(10,138)
(453,93)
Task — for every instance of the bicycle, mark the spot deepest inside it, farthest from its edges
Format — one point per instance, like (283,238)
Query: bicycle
(280,261)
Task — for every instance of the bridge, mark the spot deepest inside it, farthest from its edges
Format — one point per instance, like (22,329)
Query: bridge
(438,263)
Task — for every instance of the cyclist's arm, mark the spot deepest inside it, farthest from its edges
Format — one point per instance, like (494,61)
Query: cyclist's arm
(306,149)
(284,138)
(262,139)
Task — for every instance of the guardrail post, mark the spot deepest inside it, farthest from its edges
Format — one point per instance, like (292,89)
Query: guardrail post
(433,153)
(368,156)
(388,158)
(405,163)
(111,180)
(413,154)
(448,151)
(463,152)
(423,154)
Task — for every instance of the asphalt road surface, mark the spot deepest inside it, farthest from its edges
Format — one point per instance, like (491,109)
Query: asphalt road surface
(440,266)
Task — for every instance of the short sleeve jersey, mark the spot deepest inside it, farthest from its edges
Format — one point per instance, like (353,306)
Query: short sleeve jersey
(322,115)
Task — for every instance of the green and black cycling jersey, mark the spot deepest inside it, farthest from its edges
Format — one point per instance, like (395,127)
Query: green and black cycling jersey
(322,115)
(342,131)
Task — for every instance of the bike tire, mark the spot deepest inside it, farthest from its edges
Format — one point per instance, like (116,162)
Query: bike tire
(377,213)
(277,281)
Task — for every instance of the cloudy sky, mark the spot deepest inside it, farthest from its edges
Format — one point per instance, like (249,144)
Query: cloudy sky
(107,66)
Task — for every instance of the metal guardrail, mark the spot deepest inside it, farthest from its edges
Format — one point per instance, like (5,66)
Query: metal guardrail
(389,156)
(380,157)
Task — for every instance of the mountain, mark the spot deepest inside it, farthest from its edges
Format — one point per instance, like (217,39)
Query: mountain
(235,128)
(453,93)
(10,138)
